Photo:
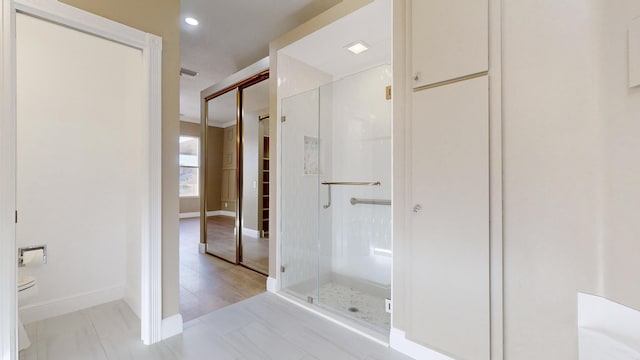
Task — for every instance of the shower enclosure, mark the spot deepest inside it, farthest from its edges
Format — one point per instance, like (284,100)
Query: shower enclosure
(336,196)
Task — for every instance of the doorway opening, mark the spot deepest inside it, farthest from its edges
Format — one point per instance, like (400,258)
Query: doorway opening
(86,230)
(224,244)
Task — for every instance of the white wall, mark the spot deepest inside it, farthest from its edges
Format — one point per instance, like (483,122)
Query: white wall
(79,155)
(571,173)
(621,107)
(570,169)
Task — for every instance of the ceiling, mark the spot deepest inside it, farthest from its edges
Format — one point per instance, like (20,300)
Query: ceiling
(326,51)
(232,34)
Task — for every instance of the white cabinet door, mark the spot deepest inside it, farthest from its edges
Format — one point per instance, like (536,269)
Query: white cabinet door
(450,221)
(450,39)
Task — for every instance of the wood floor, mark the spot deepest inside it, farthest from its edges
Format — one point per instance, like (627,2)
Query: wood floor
(262,327)
(208,283)
(220,238)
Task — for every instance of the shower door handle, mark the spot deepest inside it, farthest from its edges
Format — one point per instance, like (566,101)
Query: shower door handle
(328,204)
(350,183)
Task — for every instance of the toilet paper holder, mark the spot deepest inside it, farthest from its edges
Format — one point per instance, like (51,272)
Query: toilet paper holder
(23,250)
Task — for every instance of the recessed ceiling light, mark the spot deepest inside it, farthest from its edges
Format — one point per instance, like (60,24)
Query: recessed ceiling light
(191,21)
(357,47)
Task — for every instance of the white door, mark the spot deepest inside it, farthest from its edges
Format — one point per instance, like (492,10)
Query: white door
(450,222)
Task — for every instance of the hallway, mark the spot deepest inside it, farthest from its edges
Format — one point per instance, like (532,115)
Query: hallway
(208,283)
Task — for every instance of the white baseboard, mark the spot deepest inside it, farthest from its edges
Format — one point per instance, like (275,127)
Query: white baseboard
(399,342)
(202,248)
(189,215)
(221,213)
(134,303)
(251,233)
(171,326)
(47,309)
(272,284)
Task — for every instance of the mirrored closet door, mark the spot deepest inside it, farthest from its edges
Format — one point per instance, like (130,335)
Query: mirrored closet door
(255,177)
(220,176)
(235,225)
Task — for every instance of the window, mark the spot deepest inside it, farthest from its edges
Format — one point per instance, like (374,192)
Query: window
(189,163)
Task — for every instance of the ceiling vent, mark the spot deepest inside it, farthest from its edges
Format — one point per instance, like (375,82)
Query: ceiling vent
(187,72)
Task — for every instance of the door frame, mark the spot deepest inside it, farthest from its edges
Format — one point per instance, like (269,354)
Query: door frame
(151,246)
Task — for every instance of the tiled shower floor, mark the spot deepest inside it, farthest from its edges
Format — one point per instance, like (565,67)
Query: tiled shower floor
(340,297)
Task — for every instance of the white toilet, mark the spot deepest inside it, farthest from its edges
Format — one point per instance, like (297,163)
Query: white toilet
(26,289)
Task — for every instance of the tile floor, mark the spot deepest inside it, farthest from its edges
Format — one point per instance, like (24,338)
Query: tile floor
(208,283)
(368,307)
(261,327)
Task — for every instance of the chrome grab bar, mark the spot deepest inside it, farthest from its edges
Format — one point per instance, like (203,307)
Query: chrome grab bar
(349,183)
(355,201)
(356,183)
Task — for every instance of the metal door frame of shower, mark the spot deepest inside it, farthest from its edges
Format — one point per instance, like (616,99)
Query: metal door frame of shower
(239,81)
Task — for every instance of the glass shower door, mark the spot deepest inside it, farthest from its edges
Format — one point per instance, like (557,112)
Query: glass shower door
(299,197)
(336,196)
